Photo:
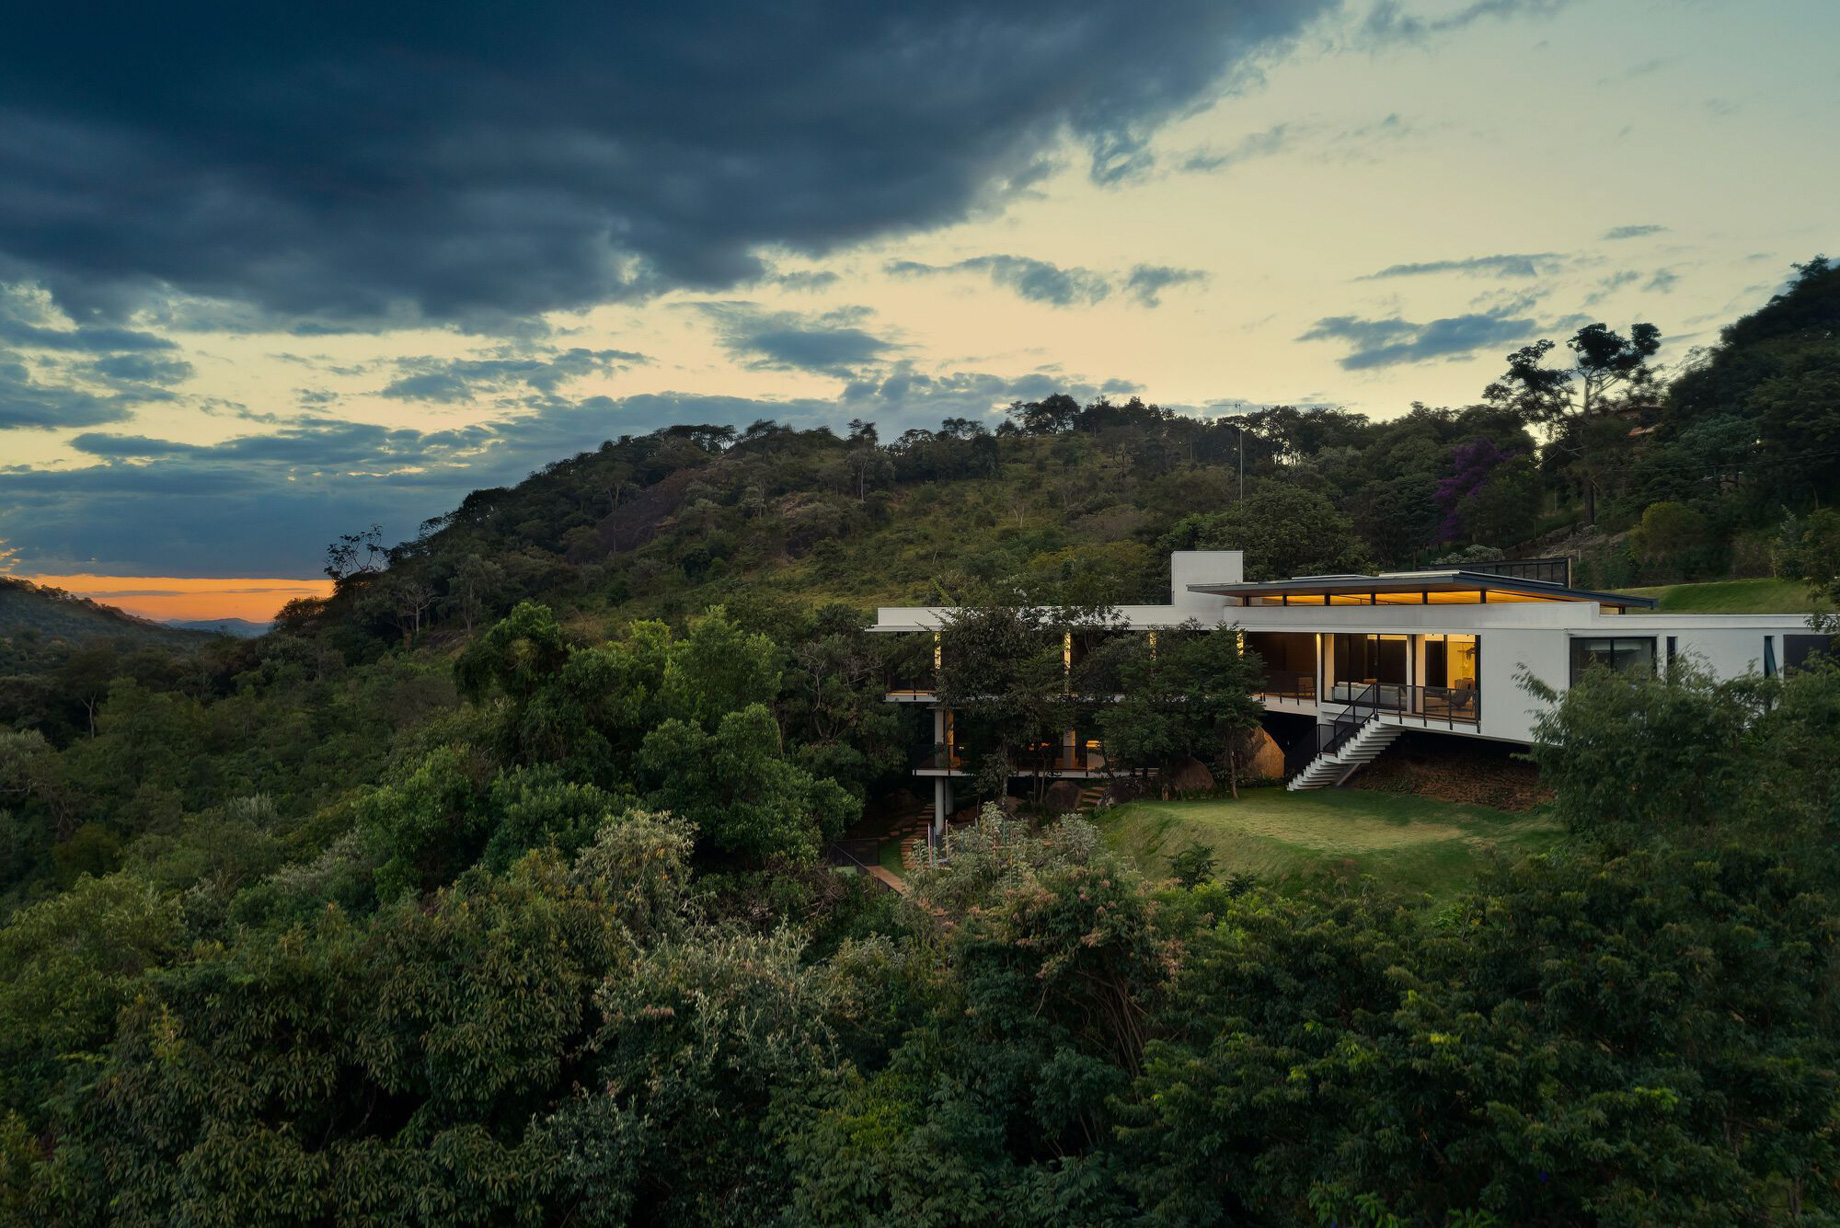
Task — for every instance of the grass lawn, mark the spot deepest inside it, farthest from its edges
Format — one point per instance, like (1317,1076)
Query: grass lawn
(1730,597)
(1409,843)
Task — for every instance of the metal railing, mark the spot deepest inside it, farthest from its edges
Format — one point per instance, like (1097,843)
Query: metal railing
(1365,705)
(939,758)
(1332,737)
(1426,705)
(1287,686)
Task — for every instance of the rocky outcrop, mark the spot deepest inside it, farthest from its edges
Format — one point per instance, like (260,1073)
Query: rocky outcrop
(1190,776)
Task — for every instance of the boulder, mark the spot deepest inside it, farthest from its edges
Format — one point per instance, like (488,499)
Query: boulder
(1063,797)
(1262,756)
(1190,776)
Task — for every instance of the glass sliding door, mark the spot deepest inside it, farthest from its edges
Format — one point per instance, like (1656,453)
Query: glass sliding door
(1360,661)
(1449,688)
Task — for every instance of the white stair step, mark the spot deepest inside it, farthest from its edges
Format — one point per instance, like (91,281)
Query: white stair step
(1366,745)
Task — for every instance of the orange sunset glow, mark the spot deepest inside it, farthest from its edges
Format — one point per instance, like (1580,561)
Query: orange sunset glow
(184,597)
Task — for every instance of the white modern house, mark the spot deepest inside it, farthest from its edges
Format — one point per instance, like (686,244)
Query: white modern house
(1370,656)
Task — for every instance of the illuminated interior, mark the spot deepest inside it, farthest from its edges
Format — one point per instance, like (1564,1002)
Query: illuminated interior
(1449,661)
(1448,589)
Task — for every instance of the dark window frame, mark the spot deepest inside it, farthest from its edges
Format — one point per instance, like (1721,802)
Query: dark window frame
(1583,653)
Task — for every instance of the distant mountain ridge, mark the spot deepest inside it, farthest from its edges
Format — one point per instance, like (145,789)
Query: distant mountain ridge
(52,613)
(242,628)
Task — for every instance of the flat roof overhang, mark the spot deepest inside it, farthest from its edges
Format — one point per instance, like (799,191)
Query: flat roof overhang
(1418,588)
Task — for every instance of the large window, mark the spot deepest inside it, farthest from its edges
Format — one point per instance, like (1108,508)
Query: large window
(1370,658)
(1799,650)
(1450,661)
(1619,652)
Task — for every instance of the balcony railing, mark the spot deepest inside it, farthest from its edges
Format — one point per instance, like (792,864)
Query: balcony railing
(1428,705)
(1366,702)
(941,759)
(914,683)
(1288,687)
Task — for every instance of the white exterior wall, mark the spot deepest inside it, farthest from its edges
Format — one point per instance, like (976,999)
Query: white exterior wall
(1510,635)
(1538,636)
(1186,567)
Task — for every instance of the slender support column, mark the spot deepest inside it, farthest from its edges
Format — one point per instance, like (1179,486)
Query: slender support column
(951,802)
(942,806)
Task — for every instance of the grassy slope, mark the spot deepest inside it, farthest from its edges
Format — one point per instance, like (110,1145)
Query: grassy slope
(1410,843)
(1730,597)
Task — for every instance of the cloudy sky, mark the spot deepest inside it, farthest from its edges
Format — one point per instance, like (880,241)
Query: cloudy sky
(269,275)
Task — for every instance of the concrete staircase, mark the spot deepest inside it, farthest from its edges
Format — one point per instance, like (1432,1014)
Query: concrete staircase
(1333,768)
(1090,797)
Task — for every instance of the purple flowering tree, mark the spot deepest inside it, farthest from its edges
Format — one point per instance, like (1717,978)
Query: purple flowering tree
(1472,461)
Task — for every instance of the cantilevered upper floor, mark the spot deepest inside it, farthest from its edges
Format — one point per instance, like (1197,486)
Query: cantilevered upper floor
(1453,586)
(1450,643)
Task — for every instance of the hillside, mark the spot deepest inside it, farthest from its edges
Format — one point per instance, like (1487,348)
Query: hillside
(1766,596)
(34,611)
(462,889)
(1077,502)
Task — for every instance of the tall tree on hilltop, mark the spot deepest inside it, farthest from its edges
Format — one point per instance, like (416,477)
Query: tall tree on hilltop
(1609,372)
(1048,416)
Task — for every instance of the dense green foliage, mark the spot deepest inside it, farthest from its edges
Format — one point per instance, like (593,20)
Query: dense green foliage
(489,890)
(571,960)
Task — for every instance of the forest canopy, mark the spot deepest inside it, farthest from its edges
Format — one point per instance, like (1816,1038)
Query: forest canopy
(496,887)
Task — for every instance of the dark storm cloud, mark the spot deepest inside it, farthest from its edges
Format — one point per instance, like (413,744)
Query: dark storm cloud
(1257,145)
(1606,286)
(30,404)
(1390,342)
(1148,281)
(1389,21)
(92,340)
(1517,264)
(29,322)
(1039,281)
(830,344)
(140,369)
(343,165)
(53,374)
(465,379)
(805,280)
